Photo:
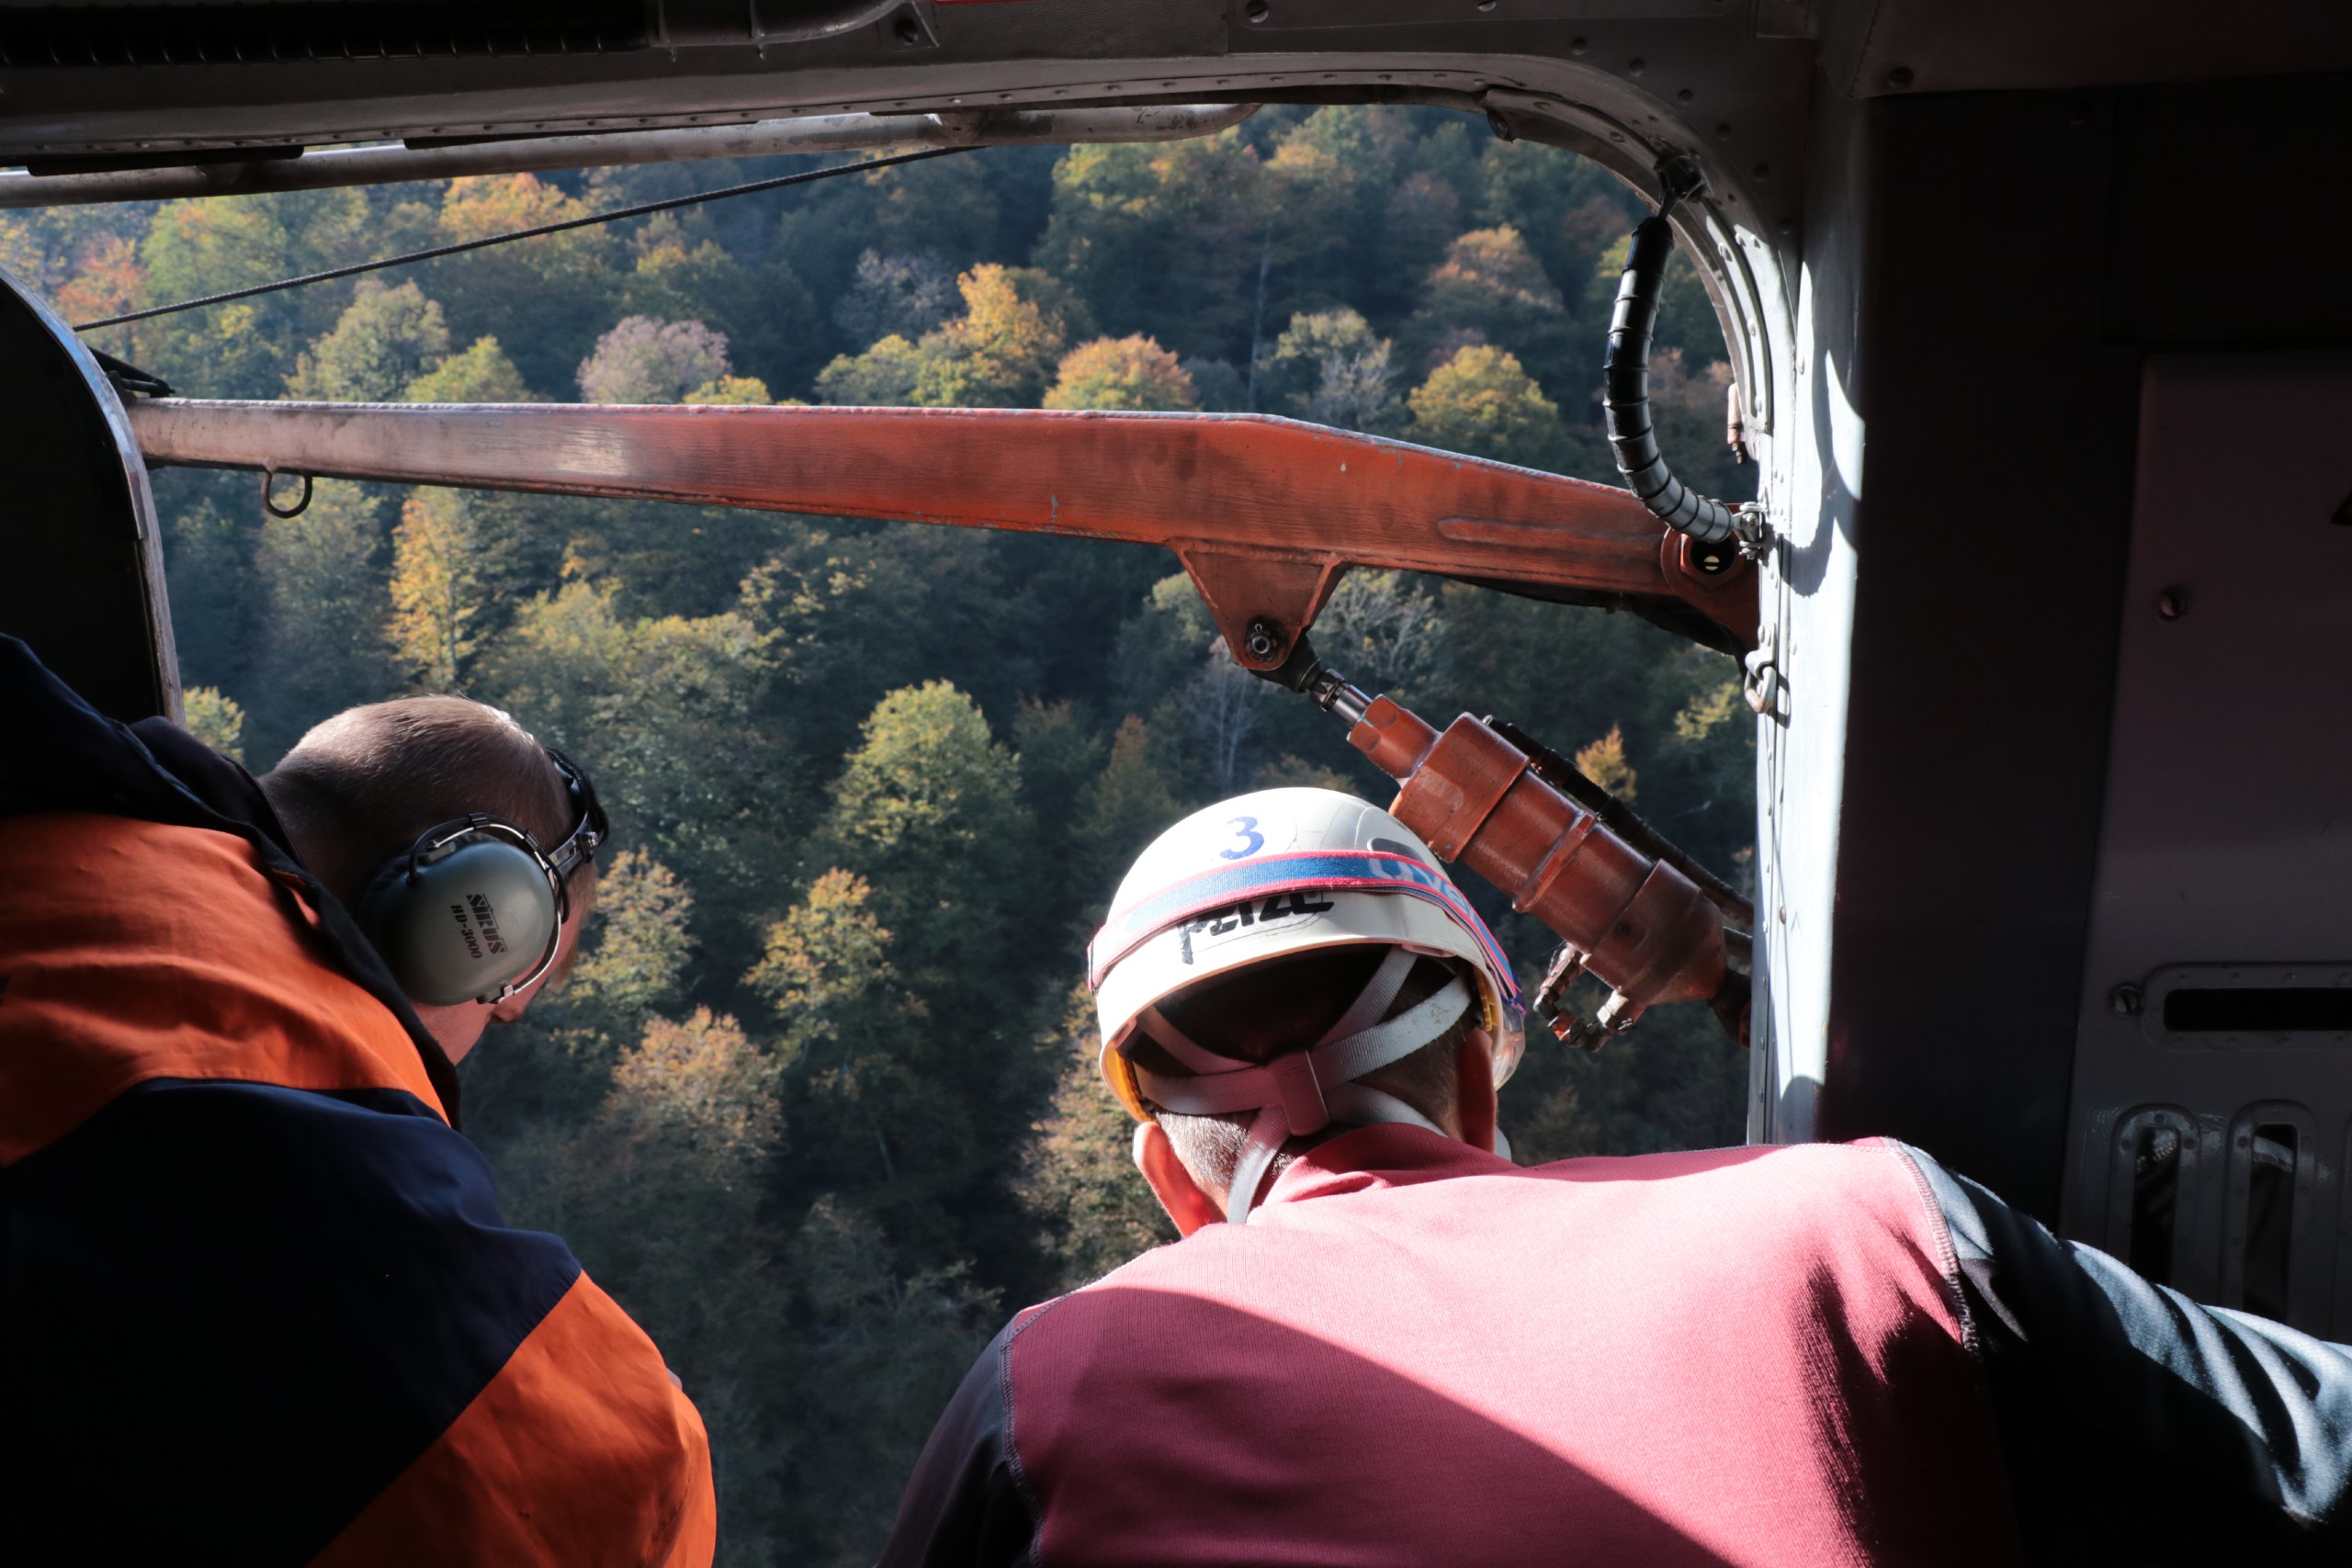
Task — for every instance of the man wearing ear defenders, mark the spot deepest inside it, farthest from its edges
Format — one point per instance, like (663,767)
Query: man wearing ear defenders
(1381,1342)
(257,1301)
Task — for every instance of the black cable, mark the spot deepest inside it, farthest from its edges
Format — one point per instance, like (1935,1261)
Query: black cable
(639,211)
(1625,397)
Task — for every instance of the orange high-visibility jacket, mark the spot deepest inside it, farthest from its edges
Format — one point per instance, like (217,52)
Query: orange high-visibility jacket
(257,1301)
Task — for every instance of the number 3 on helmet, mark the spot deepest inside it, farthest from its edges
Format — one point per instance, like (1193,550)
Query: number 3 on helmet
(1277,872)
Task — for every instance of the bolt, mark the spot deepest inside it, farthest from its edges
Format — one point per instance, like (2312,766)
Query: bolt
(1262,641)
(1635,67)
(1486,5)
(909,31)
(1577,47)
(1723,132)
(1500,126)
(2173,604)
(1900,78)
(1257,10)
(1685,96)
(2125,1001)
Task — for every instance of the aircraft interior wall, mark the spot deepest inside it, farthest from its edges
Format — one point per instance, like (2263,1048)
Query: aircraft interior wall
(2028,264)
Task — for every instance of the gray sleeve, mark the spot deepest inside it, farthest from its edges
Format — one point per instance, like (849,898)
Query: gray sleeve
(2137,1424)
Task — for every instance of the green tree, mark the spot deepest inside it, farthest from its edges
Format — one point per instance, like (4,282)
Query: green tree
(1121,373)
(482,374)
(1163,240)
(546,299)
(661,708)
(1122,808)
(1079,1178)
(206,246)
(884,376)
(1330,366)
(927,815)
(327,600)
(664,1200)
(220,603)
(386,339)
(643,941)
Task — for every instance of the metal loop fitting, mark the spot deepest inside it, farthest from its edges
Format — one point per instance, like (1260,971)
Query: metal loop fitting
(268,504)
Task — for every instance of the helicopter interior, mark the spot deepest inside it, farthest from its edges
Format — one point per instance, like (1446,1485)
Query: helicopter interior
(2041,342)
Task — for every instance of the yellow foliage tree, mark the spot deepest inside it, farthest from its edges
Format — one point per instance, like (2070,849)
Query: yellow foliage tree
(829,949)
(999,352)
(1483,402)
(437,587)
(1604,763)
(215,719)
(1121,373)
(741,390)
(708,1087)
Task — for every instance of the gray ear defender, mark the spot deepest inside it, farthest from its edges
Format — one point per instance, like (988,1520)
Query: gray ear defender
(472,912)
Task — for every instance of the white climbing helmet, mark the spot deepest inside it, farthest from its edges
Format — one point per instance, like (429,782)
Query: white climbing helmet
(1277,872)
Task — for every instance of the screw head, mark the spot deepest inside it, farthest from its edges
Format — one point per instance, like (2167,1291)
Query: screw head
(2125,1001)
(2171,603)
(1713,560)
(1577,47)
(1900,77)
(1257,10)
(1635,67)
(908,29)
(1263,642)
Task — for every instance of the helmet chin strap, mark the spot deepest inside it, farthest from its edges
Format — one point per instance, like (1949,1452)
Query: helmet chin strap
(1302,1093)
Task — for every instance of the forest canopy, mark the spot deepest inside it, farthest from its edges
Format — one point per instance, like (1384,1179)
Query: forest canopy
(819,1104)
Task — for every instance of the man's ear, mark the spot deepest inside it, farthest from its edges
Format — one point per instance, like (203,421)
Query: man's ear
(1170,1183)
(1474,1088)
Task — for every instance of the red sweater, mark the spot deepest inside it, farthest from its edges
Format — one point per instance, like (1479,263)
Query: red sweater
(1418,1353)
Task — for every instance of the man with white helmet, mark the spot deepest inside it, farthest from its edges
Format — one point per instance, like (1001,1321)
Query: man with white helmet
(1382,1342)
(1318,893)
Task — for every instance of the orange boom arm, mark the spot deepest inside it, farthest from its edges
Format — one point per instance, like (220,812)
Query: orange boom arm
(1265,513)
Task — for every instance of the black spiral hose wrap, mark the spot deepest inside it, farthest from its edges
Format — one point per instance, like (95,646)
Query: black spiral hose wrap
(1625,396)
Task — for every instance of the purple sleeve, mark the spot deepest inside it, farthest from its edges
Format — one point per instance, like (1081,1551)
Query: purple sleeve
(965,1506)
(2111,1392)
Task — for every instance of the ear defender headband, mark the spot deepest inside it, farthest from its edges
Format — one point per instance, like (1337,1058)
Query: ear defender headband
(475,910)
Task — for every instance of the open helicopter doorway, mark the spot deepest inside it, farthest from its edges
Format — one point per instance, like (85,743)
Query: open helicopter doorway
(871,776)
